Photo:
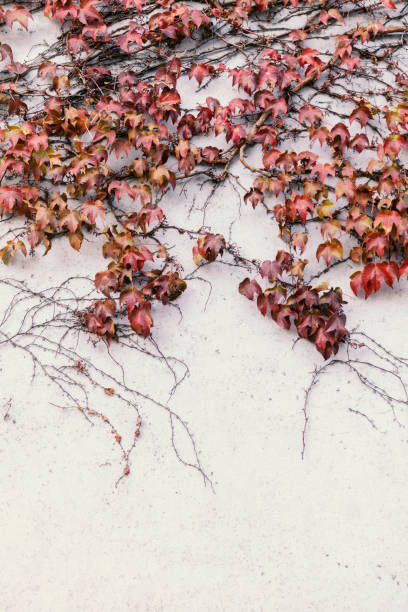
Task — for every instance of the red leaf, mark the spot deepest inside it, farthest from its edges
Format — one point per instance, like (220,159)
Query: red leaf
(387,219)
(70,219)
(141,320)
(9,197)
(44,218)
(104,309)
(136,258)
(47,69)
(106,282)
(91,210)
(271,269)
(121,188)
(335,325)
(166,287)
(356,281)
(19,14)
(249,288)
(321,134)
(373,275)
(346,188)
(131,297)
(237,134)
(374,241)
(254,196)
(360,142)
(340,132)
(328,250)
(199,71)
(283,315)
(278,106)
(211,245)
(270,158)
(270,299)
(310,113)
(323,170)
(362,113)
(301,205)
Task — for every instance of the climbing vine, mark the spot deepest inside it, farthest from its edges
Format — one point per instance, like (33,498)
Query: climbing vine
(326,77)
(96,132)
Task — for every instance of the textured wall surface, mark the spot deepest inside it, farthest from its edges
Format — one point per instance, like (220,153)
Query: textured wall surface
(275,533)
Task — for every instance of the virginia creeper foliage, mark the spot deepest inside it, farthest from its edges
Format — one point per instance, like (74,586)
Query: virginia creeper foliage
(94,134)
